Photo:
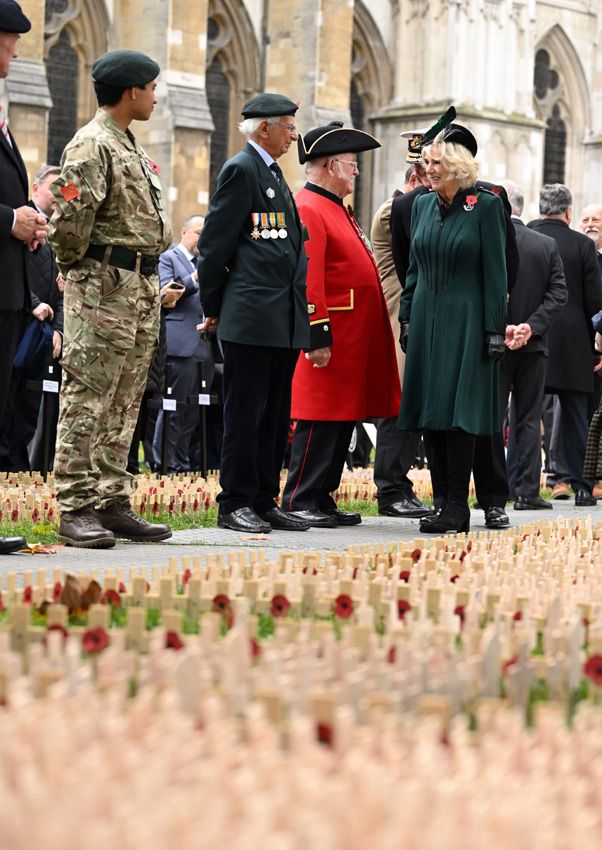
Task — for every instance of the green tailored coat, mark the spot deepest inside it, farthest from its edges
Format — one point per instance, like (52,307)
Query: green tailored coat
(455,293)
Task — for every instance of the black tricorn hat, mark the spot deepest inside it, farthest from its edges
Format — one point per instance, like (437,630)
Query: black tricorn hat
(333,138)
(460,135)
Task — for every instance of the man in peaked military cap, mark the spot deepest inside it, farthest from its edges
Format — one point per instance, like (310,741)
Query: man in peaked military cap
(350,371)
(252,281)
(108,231)
(21,227)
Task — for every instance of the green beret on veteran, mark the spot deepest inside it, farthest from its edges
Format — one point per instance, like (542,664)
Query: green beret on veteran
(124,69)
(332,139)
(12,19)
(269,105)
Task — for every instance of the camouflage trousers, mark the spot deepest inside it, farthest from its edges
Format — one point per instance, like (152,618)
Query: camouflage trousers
(111,331)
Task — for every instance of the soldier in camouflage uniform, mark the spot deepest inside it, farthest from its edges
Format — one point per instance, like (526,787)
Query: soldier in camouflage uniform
(108,231)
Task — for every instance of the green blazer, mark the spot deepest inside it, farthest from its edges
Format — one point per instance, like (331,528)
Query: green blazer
(455,293)
(254,285)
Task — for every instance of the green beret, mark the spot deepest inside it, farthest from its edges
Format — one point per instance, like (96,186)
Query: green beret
(268,105)
(124,69)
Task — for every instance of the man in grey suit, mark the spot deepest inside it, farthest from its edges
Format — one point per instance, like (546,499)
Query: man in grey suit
(184,346)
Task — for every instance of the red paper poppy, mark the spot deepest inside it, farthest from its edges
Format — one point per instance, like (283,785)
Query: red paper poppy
(173,641)
(454,578)
(392,655)
(255,648)
(508,664)
(35,515)
(403,606)
(57,591)
(122,587)
(518,615)
(462,555)
(593,668)
(469,546)
(27,595)
(2,608)
(221,603)
(111,597)
(404,575)
(56,627)
(471,199)
(416,555)
(95,640)
(314,571)
(186,576)
(324,733)
(459,611)
(157,170)
(279,606)
(343,606)
(50,514)
(14,514)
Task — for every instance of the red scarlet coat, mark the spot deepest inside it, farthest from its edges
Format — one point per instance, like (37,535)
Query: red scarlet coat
(347,311)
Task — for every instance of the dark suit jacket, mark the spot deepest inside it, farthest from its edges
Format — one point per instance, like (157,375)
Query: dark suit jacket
(540,288)
(183,339)
(43,272)
(255,286)
(14,192)
(571,335)
(401,229)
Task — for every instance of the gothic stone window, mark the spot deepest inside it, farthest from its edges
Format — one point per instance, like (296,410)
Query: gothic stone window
(547,85)
(218,95)
(62,69)
(356,105)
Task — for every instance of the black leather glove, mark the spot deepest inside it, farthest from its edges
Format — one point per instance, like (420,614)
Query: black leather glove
(404,328)
(494,343)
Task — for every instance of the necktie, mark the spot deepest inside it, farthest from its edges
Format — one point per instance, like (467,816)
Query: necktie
(4,125)
(277,172)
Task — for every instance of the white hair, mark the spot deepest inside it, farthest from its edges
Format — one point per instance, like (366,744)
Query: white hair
(250,126)
(313,165)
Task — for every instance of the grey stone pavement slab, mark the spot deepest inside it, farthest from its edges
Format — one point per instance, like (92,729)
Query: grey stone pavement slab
(206,540)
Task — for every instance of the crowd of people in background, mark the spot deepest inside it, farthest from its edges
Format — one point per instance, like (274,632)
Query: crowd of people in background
(458,327)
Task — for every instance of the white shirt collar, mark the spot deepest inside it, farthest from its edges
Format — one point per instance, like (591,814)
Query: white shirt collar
(187,253)
(262,153)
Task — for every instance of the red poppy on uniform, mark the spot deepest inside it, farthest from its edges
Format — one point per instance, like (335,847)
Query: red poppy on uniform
(471,199)
(70,192)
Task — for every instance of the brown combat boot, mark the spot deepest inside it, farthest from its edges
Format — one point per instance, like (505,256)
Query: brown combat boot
(82,529)
(119,518)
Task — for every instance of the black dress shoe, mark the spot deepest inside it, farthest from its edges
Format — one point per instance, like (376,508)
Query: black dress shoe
(532,503)
(315,518)
(453,517)
(344,517)
(584,499)
(243,519)
(11,544)
(284,521)
(405,508)
(496,518)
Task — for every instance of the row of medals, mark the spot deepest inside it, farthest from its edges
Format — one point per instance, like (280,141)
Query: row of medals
(268,222)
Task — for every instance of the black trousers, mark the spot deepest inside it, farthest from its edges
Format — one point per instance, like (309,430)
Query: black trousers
(257,402)
(183,376)
(394,455)
(453,455)
(11,329)
(318,456)
(489,470)
(524,373)
(574,421)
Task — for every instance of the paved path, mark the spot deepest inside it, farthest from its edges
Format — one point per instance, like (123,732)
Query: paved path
(204,540)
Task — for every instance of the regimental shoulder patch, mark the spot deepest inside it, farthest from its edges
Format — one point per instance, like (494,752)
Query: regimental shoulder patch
(70,192)
(311,309)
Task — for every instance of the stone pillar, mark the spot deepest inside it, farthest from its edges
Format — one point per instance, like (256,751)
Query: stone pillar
(308,58)
(26,91)
(178,134)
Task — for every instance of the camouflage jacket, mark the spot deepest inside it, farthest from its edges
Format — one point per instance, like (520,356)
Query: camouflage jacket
(108,193)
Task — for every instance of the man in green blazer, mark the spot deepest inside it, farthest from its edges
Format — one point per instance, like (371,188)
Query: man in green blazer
(252,268)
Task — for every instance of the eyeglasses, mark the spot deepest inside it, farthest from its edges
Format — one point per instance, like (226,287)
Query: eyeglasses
(352,162)
(291,127)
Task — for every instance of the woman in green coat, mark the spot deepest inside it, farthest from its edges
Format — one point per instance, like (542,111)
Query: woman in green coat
(452,317)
